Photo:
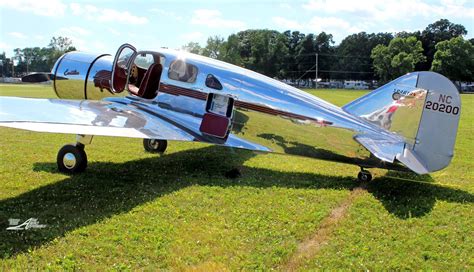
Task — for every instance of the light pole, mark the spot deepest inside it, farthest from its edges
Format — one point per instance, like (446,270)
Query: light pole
(26,57)
(316,70)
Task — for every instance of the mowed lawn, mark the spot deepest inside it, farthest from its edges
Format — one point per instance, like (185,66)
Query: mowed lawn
(136,211)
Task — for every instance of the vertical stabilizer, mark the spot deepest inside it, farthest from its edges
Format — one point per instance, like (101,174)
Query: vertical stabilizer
(424,108)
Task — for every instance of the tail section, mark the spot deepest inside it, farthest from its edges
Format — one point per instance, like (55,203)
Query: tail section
(423,107)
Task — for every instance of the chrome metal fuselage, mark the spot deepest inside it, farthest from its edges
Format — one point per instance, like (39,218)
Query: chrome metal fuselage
(268,115)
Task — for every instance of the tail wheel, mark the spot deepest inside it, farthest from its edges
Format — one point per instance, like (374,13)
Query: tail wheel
(155,145)
(72,159)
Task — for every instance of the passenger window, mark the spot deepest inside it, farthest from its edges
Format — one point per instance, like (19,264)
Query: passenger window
(144,60)
(213,82)
(181,71)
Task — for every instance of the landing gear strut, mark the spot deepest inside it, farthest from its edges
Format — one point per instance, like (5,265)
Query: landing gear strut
(155,145)
(72,158)
(364,175)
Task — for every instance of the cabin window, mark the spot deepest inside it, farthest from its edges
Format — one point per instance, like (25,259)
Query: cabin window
(181,71)
(213,82)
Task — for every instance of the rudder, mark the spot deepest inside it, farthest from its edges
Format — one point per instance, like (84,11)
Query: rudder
(439,122)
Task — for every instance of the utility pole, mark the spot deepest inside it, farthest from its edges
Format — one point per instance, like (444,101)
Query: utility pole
(316,69)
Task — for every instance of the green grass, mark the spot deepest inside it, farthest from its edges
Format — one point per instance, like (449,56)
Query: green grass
(133,210)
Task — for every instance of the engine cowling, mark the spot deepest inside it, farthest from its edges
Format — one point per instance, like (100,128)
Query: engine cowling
(79,75)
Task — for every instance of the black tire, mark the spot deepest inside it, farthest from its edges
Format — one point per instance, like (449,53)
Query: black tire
(155,145)
(364,176)
(77,161)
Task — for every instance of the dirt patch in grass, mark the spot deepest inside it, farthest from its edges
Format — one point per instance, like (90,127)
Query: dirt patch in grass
(311,246)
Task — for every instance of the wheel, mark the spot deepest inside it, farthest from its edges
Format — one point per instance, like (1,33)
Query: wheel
(72,159)
(155,145)
(364,176)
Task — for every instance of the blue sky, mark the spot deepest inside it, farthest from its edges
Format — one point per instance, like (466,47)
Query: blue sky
(101,26)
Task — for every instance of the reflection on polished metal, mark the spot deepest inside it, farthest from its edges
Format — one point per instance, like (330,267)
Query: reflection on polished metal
(69,160)
(79,75)
(393,127)
(153,144)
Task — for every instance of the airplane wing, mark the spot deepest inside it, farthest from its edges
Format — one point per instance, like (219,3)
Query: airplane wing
(105,118)
(83,117)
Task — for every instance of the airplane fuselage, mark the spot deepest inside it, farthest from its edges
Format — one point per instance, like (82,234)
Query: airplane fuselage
(272,114)
(267,115)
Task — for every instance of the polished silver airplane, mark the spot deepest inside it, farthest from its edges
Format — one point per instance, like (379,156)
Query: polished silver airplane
(408,124)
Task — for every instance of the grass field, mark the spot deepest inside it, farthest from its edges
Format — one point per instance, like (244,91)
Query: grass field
(135,211)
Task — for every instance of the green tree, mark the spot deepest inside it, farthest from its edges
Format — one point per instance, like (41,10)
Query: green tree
(20,63)
(6,65)
(57,47)
(398,58)
(230,50)
(441,30)
(305,56)
(262,50)
(354,55)
(455,59)
(213,47)
(192,47)
(62,44)
(324,46)
(290,68)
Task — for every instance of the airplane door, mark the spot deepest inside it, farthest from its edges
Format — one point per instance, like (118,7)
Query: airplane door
(122,62)
(217,119)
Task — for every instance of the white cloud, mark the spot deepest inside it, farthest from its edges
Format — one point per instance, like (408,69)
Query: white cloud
(286,23)
(458,8)
(344,17)
(213,18)
(5,47)
(339,28)
(76,8)
(285,6)
(40,37)
(392,9)
(192,36)
(77,36)
(114,31)
(17,35)
(52,8)
(328,24)
(73,30)
(93,13)
(167,13)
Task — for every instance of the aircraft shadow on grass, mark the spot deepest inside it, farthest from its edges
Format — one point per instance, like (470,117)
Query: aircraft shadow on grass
(109,188)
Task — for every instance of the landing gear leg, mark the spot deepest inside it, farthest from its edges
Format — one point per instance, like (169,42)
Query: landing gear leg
(71,158)
(364,175)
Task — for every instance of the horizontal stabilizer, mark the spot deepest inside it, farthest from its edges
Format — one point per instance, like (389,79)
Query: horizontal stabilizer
(411,160)
(382,148)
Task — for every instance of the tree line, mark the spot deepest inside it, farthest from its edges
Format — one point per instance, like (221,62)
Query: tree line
(362,56)
(293,55)
(34,59)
